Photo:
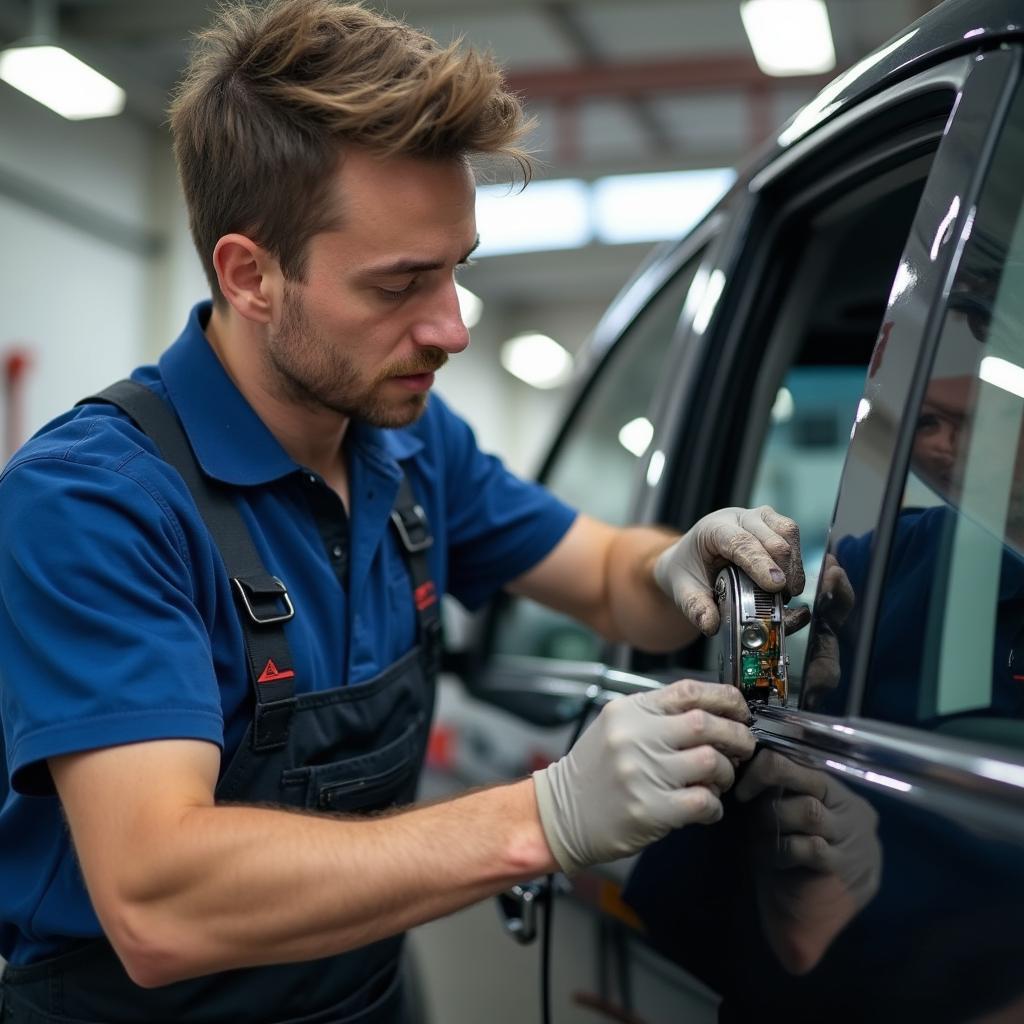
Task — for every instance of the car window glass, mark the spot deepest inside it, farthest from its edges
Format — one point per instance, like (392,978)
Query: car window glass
(802,460)
(837,260)
(595,468)
(948,651)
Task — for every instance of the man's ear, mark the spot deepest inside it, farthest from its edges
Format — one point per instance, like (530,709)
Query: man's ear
(249,277)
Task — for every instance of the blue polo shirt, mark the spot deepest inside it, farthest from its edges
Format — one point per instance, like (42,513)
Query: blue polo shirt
(906,643)
(117,623)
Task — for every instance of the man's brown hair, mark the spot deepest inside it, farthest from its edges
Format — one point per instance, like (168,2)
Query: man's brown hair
(272,96)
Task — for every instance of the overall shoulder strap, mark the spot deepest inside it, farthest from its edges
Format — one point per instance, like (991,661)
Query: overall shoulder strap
(410,523)
(261,600)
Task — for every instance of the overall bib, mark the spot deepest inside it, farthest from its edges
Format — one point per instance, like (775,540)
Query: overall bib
(350,749)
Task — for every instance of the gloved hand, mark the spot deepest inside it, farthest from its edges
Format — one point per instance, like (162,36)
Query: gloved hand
(649,763)
(817,858)
(764,544)
(835,601)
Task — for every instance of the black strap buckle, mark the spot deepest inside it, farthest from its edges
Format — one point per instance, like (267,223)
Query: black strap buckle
(263,586)
(413,529)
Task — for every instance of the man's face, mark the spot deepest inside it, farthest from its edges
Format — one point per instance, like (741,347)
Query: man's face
(377,313)
(942,449)
(941,434)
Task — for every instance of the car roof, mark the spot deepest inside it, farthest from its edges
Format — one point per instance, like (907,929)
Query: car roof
(955,27)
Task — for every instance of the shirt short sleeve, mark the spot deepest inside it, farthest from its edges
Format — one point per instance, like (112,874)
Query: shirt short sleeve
(101,641)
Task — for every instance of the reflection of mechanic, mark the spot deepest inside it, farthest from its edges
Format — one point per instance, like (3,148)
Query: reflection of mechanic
(921,545)
(323,155)
(815,855)
(940,433)
(753,905)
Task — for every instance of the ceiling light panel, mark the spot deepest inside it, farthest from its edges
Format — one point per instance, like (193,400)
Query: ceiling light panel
(648,207)
(789,37)
(60,81)
(537,360)
(547,215)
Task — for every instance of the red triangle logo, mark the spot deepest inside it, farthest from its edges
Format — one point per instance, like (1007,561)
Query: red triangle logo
(272,673)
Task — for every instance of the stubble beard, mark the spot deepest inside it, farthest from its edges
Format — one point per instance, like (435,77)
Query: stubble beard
(307,369)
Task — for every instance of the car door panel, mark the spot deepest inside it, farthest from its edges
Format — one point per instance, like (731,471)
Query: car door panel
(911,908)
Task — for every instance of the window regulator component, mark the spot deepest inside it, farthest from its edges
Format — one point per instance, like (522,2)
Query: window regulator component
(751,639)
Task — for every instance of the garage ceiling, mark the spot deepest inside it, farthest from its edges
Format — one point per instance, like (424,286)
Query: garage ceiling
(616,85)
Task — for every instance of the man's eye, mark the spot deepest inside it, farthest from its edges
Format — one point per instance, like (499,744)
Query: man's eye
(926,422)
(394,294)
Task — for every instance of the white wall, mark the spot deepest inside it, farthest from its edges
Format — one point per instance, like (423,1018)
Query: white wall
(175,280)
(74,303)
(75,299)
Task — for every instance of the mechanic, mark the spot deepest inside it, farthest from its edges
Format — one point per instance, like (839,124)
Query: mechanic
(175,846)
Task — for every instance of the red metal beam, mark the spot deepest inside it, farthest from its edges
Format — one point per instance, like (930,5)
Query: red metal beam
(695,74)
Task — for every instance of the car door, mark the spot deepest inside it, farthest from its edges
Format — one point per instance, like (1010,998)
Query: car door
(871,866)
(808,319)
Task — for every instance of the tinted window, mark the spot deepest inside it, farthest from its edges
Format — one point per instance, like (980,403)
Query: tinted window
(842,257)
(948,651)
(597,461)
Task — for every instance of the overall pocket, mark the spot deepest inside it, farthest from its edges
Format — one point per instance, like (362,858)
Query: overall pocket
(372,781)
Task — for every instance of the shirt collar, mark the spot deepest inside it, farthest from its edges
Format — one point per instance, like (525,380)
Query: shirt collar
(231,442)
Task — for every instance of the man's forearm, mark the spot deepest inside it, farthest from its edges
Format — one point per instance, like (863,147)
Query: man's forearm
(641,613)
(234,886)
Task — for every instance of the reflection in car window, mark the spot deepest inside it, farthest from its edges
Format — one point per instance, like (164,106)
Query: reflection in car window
(948,652)
(596,465)
(802,460)
(821,330)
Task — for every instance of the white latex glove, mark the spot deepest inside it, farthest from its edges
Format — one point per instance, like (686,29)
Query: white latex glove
(649,763)
(764,544)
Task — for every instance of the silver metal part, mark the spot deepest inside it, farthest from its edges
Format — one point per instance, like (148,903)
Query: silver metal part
(754,636)
(745,609)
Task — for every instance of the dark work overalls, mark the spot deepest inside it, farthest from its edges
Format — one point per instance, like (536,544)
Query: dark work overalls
(350,749)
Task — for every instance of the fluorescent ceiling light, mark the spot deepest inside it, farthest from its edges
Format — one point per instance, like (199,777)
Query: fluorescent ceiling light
(546,215)
(58,80)
(1003,374)
(708,301)
(471,306)
(536,359)
(789,37)
(636,436)
(655,468)
(650,207)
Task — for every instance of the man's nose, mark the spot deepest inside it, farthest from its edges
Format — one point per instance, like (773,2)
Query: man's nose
(441,324)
